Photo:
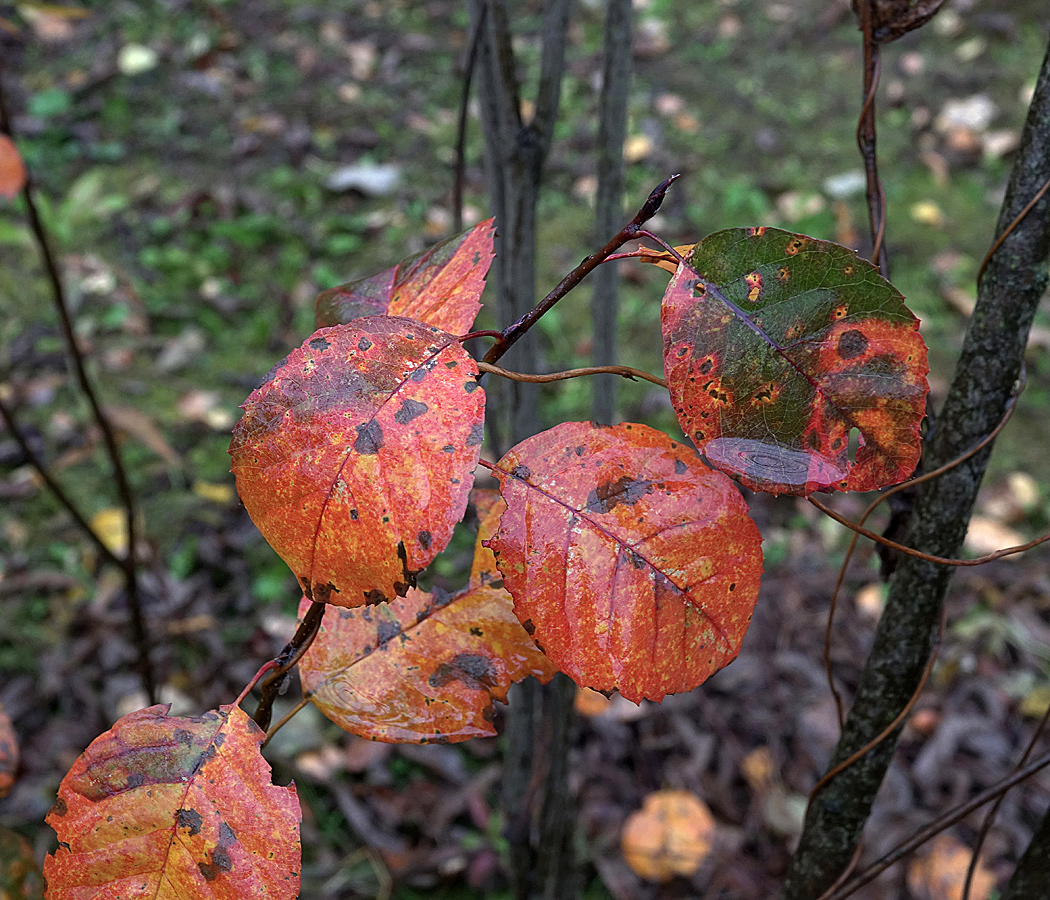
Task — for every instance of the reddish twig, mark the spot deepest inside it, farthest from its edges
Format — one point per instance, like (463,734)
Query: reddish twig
(908,551)
(889,729)
(630,231)
(291,654)
(876,196)
(1018,219)
(126,562)
(986,823)
(266,667)
(903,486)
(625,371)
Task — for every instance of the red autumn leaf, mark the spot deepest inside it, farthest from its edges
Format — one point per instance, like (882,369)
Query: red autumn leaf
(421,668)
(20,877)
(440,286)
(631,563)
(489,506)
(777,346)
(8,754)
(12,169)
(355,457)
(174,809)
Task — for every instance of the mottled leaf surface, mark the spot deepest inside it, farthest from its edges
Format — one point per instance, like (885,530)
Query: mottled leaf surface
(171,808)
(356,456)
(777,347)
(8,753)
(632,564)
(441,286)
(421,668)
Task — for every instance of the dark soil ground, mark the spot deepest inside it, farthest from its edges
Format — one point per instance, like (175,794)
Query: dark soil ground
(189,157)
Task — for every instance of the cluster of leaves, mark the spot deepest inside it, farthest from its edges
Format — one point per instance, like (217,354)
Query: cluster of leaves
(612,553)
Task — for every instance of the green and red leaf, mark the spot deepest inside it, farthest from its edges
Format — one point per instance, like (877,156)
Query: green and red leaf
(355,458)
(777,346)
(631,564)
(422,668)
(441,286)
(175,809)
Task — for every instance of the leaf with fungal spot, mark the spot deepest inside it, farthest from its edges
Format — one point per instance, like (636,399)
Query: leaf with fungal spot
(777,347)
(172,808)
(631,564)
(355,457)
(440,286)
(421,668)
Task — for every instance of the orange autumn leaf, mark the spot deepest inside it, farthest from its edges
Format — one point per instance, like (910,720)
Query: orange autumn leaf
(670,835)
(631,564)
(8,753)
(356,456)
(441,286)
(662,258)
(940,873)
(12,169)
(421,668)
(170,808)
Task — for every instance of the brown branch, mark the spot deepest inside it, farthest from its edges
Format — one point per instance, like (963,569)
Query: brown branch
(943,821)
(630,231)
(625,371)
(853,758)
(56,489)
(461,128)
(127,562)
(1018,219)
(876,196)
(927,557)
(986,823)
(903,486)
(291,654)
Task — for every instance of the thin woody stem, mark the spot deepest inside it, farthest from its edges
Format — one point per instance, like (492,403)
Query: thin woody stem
(629,232)
(291,654)
(127,563)
(625,371)
(927,557)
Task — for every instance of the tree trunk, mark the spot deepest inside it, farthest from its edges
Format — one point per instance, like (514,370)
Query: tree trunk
(608,218)
(539,728)
(987,371)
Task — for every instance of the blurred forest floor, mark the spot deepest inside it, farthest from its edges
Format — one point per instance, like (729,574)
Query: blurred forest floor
(206,168)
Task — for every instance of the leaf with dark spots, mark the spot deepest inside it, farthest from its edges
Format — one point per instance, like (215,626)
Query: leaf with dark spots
(477,435)
(191,819)
(607,496)
(425,539)
(339,467)
(156,795)
(456,653)
(410,409)
(625,595)
(441,286)
(369,438)
(319,344)
(774,351)
(475,671)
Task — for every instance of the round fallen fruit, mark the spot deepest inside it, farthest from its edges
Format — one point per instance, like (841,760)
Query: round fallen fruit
(670,835)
